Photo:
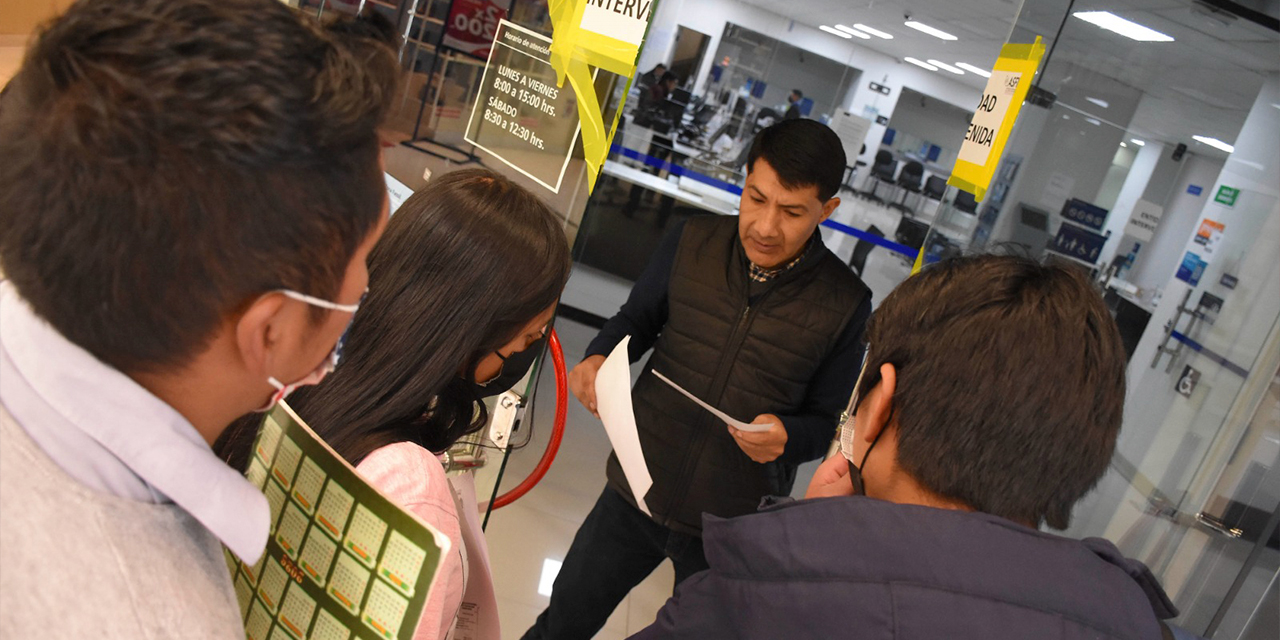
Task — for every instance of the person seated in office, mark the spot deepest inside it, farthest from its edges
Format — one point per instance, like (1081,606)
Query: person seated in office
(466,277)
(989,404)
(188,193)
(651,77)
(754,315)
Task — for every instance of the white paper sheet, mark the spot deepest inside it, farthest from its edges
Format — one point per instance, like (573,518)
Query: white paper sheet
(737,424)
(613,400)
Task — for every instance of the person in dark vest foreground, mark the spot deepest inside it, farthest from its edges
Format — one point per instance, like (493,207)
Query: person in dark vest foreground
(989,404)
(754,315)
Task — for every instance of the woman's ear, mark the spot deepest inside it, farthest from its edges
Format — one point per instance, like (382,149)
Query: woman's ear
(879,403)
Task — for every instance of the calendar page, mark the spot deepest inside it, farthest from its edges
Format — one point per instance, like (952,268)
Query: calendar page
(343,562)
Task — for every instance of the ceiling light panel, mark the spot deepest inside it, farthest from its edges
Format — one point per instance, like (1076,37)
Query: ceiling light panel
(853,32)
(1127,28)
(836,32)
(875,32)
(975,70)
(946,67)
(1098,101)
(1215,143)
(920,63)
(924,28)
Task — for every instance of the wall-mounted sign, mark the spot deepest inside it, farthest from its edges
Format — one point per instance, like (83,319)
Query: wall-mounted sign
(624,20)
(879,88)
(1191,269)
(520,116)
(1227,195)
(472,24)
(1078,243)
(1143,221)
(1209,236)
(994,117)
(1195,189)
(1084,213)
(1187,381)
(853,133)
(881,120)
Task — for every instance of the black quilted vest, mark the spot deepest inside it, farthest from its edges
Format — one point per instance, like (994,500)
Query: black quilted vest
(743,359)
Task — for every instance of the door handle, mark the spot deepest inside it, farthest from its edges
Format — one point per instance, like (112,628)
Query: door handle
(1218,525)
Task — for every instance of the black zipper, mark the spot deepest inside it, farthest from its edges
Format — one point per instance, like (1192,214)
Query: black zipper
(714,396)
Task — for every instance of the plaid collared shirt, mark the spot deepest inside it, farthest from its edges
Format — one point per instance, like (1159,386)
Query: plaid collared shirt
(760,274)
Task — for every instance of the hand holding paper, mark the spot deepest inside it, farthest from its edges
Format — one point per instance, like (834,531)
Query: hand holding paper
(613,401)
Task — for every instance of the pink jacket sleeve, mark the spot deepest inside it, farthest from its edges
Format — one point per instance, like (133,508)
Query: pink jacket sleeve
(413,478)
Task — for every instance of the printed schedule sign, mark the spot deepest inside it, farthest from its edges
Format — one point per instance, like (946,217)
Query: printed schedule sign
(342,561)
(520,116)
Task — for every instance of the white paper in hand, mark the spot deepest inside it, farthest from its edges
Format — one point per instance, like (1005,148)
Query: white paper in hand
(613,400)
(737,424)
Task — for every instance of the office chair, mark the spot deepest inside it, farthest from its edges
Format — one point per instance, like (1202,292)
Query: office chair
(862,248)
(909,182)
(964,201)
(935,187)
(882,171)
(911,233)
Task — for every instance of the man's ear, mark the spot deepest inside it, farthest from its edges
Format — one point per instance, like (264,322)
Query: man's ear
(879,403)
(829,208)
(256,332)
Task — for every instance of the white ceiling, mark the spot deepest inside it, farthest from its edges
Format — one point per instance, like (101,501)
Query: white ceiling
(1202,83)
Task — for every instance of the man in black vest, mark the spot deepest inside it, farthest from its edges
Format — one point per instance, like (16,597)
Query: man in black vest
(752,314)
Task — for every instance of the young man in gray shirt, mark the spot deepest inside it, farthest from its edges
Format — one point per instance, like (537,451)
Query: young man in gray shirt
(188,193)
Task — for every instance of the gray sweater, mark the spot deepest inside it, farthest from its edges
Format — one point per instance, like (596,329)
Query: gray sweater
(76,563)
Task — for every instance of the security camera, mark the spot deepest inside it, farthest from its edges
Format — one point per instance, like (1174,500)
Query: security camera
(906,15)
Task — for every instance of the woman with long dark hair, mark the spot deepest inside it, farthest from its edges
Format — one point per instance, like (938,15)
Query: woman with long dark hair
(467,273)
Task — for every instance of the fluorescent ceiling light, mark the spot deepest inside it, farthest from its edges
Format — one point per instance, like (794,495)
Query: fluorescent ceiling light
(946,67)
(836,32)
(1215,143)
(875,32)
(1101,103)
(550,569)
(853,32)
(937,33)
(1124,145)
(1137,142)
(972,69)
(1127,28)
(1094,121)
(919,63)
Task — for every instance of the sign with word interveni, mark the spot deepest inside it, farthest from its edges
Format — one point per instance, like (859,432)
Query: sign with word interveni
(1084,213)
(624,20)
(520,116)
(994,117)
(1143,221)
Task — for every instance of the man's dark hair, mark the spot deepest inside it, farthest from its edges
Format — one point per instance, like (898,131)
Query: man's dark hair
(166,162)
(670,76)
(803,153)
(1010,383)
(798,94)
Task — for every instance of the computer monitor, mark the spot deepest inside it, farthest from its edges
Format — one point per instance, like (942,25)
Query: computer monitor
(681,96)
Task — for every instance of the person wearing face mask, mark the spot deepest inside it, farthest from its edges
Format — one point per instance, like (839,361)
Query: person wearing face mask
(989,405)
(462,286)
(170,264)
(753,314)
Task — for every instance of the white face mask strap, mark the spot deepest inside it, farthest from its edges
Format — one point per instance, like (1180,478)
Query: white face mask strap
(846,420)
(302,297)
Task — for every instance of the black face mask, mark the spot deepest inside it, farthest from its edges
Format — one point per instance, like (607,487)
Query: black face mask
(513,369)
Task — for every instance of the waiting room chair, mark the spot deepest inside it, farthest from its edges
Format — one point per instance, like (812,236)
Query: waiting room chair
(909,182)
(862,248)
(883,171)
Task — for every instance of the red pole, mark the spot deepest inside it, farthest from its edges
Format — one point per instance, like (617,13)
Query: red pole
(557,429)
